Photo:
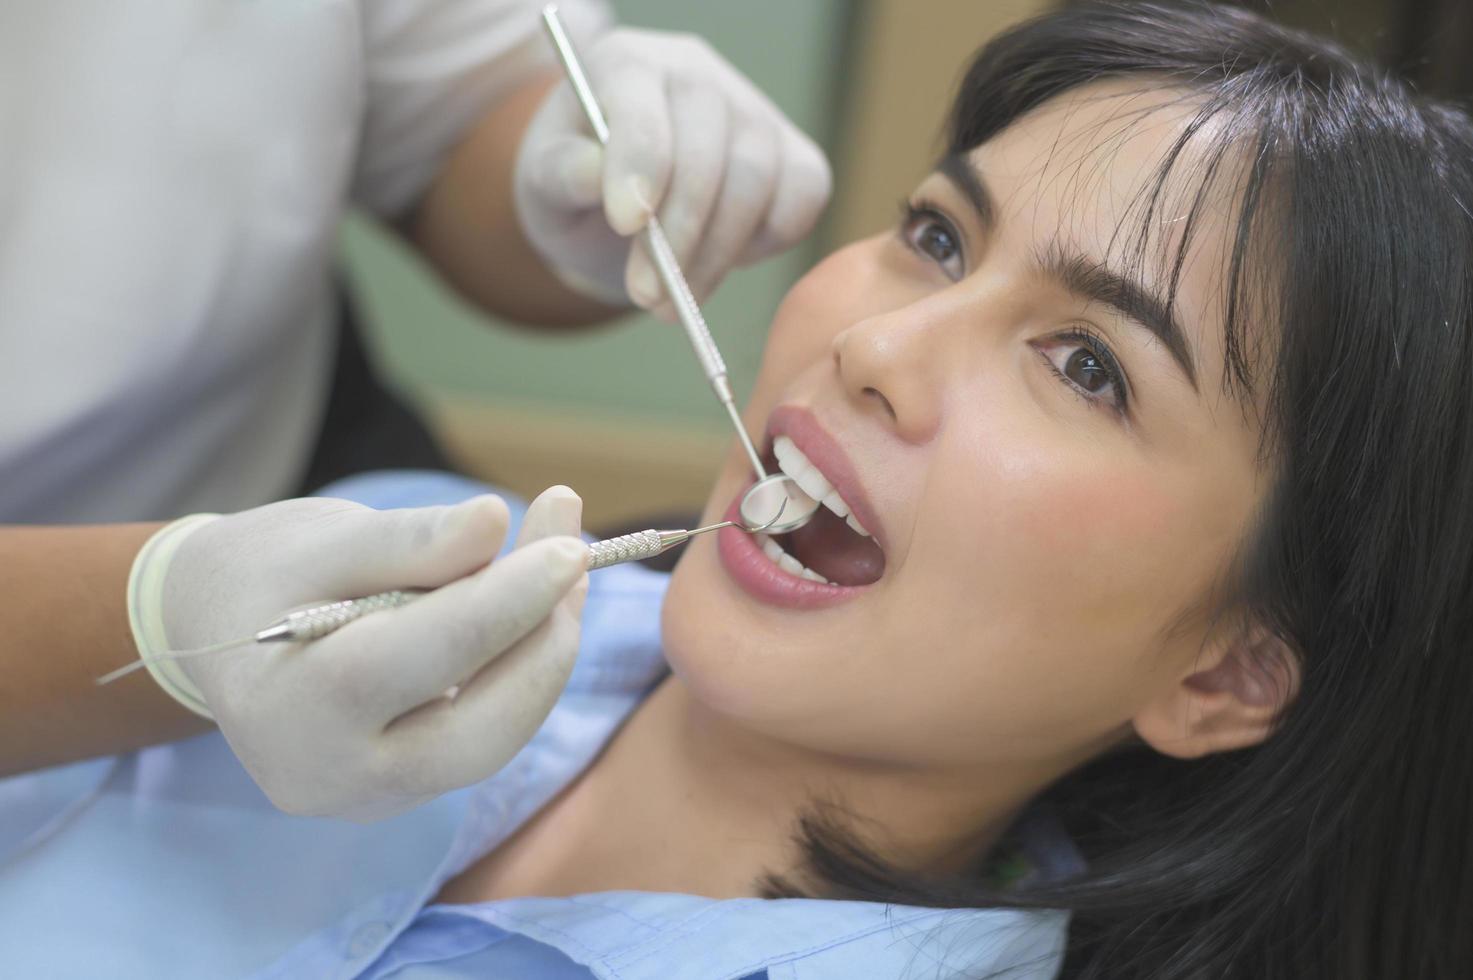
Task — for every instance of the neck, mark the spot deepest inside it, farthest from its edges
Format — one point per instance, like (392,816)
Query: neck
(684,800)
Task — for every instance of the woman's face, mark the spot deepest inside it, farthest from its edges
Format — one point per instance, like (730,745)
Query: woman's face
(1053,477)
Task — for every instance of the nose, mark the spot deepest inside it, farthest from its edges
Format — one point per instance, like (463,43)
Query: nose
(891,367)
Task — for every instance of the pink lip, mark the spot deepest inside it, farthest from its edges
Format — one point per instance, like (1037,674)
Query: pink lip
(823,451)
(738,550)
(761,579)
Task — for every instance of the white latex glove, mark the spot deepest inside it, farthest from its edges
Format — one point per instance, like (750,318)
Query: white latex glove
(732,180)
(358,724)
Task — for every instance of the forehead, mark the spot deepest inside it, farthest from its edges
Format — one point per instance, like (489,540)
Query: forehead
(1095,155)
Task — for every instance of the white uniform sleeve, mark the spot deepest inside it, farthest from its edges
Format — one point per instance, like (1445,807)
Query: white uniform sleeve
(432,68)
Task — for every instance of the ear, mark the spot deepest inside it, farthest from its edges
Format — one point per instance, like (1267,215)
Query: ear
(1230,700)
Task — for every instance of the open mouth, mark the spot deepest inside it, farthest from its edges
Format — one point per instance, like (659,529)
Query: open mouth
(833,548)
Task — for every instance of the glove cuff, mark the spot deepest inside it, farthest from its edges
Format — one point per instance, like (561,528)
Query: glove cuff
(146,608)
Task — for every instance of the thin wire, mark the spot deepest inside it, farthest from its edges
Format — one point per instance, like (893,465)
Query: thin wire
(744,439)
(108,678)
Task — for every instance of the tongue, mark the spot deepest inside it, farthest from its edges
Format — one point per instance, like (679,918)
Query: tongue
(834,550)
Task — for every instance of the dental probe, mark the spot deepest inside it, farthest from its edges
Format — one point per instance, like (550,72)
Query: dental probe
(666,264)
(688,310)
(318,621)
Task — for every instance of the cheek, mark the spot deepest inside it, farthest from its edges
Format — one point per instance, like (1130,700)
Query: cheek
(816,310)
(1087,521)
(1097,521)
(1046,585)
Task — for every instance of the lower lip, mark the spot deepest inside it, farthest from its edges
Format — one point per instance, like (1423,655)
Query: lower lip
(760,578)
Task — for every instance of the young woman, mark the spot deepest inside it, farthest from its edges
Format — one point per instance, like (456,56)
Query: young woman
(1142,590)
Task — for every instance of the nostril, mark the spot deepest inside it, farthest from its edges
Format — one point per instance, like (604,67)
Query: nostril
(875,393)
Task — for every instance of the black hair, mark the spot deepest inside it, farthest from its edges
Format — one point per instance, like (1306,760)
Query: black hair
(1340,847)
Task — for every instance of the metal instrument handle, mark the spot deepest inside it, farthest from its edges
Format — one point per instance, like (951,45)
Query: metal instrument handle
(713,365)
(319,621)
(626,547)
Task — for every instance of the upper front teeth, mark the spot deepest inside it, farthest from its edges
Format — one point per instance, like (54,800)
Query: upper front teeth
(794,464)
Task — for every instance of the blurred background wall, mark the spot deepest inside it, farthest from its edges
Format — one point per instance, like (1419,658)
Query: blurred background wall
(621,413)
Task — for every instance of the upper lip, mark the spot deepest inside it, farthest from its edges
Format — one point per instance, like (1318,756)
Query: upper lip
(824,452)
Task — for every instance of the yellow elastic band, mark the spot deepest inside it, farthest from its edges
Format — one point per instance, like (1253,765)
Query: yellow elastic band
(145,610)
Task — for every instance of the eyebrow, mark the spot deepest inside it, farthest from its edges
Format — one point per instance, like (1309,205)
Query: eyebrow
(1092,281)
(1084,277)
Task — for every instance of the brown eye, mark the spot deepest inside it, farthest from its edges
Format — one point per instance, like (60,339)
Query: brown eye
(935,240)
(931,235)
(1085,369)
(1084,362)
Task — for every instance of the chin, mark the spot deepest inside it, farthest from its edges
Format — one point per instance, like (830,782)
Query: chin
(731,661)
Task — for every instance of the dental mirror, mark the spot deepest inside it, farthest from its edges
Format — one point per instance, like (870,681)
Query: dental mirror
(779,494)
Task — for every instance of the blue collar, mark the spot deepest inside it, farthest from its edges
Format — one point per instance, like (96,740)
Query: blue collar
(640,935)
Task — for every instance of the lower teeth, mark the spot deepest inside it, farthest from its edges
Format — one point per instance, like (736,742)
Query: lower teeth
(787,562)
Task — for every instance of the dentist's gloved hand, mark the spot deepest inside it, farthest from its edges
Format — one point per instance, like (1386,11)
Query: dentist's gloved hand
(358,724)
(731,179)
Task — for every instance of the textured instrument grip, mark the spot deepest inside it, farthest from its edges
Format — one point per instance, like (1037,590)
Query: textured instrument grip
(317,622)
(626,547)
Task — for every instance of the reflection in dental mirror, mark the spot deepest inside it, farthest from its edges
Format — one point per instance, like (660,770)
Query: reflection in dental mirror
(770,493)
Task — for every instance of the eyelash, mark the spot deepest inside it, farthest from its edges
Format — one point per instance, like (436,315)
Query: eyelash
(913,212)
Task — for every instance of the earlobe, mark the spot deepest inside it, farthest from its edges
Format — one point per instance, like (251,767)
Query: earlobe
(1230,700)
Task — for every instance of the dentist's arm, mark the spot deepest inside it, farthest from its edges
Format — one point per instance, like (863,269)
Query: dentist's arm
(64,622)
(531,218)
